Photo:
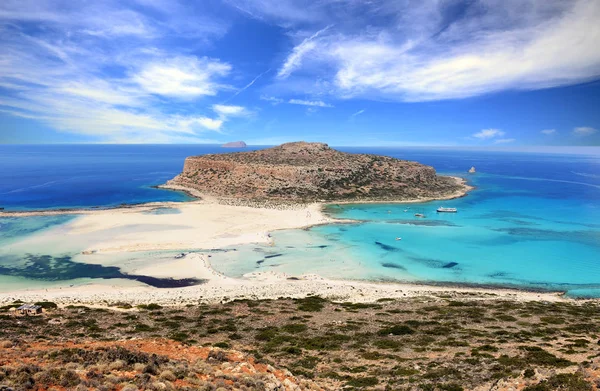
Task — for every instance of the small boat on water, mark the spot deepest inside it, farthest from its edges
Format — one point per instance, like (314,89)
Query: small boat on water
(398,238)
(421,215)
(446,210)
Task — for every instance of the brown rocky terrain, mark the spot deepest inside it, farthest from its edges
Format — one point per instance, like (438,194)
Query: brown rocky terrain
(435,343)
(306,172)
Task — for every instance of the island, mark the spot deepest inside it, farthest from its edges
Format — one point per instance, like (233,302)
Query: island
(234,144)
(303,172)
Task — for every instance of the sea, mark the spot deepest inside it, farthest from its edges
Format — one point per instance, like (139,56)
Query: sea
(532,222)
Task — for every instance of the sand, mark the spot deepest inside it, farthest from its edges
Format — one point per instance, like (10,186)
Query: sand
(197,226)
(191,225)
(254,286)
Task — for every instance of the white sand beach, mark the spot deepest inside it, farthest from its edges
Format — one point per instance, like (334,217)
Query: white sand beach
(255,286)
(104,236)
(185,226)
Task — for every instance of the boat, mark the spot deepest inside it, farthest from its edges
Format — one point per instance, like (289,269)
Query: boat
(446,210)
(398,238)
(179,256)
(419,215)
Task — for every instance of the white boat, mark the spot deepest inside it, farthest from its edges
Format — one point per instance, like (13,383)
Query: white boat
(446,210)
(419,215)
(398,238)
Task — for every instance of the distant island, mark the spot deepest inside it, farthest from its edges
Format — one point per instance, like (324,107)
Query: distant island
(234,144)
(312,172)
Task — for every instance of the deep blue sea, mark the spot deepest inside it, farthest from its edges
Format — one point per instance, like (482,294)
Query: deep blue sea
(533,221)
(70,176)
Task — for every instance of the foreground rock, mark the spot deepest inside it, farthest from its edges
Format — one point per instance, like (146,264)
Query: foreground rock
(309,172)
(460,343)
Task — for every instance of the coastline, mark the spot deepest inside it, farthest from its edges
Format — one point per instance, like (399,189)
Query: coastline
(261,286)
(201,198)
(205,223)
(457,194)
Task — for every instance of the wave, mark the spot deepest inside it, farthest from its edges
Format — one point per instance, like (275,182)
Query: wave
(587,175)
(547,180)
(22,189)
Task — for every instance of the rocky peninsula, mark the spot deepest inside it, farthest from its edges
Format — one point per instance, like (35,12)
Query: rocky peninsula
(313,172)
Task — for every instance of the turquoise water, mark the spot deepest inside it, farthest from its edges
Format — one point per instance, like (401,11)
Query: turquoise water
(533,222)
(530,229)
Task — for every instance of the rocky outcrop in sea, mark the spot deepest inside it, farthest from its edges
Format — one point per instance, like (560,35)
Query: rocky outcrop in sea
(307,172)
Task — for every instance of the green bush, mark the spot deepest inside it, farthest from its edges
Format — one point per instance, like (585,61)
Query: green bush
(47,305)
(396,330)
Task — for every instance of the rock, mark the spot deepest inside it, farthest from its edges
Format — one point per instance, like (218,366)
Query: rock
(235,144)
(309,172)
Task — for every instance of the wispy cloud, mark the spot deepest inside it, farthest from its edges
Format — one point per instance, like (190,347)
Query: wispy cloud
(584,131)
(108,70)
(419,56)
(313,103)
(488,134)
(548,131)
(504,141)
(272,99)
(359,112)
(250,84)
(294,60)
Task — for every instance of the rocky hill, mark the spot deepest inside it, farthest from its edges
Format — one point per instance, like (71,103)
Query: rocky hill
(301,172)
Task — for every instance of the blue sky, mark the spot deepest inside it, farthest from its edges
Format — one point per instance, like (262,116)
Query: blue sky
(502,73)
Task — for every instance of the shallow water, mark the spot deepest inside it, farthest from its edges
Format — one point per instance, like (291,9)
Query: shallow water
(533,222)
(535,230)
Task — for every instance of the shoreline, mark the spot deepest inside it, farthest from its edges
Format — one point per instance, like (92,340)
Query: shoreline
(265,286)
(231,225)
(207,199)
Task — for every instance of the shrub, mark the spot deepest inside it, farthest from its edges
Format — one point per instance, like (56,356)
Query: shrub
(150,307)
(294,328)
(396,330)
(167,375)
(363,382)
(537,355)
(47,305)
(563,381)
(311,304)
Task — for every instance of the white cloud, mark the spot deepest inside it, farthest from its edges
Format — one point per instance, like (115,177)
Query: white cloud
(294,60)
(504,140)
(584,131)
(205,122)
(488,134)
(419,56)
(313,103)
(110,70)
(548,131)
(230,111)
(182,77)
(272,99)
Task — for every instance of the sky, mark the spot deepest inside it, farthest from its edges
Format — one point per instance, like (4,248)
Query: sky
(475,73)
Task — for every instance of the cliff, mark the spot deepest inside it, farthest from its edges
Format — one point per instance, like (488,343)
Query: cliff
(301,171)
